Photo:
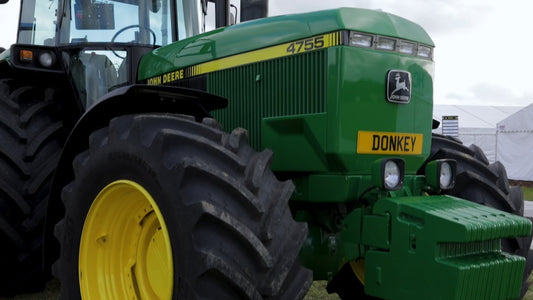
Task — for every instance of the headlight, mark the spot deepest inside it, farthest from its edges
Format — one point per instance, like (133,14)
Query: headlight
(360,40)
(389,173)
(47,59)
(35,57)
(440,174)
(424,51)
(446,175)
(379,42)
(407,47)
(386,44)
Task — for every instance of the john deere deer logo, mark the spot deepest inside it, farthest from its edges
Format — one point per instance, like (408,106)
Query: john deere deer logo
(398,86)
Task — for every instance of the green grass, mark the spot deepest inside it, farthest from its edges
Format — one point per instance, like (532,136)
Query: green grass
(318,292)
(529,293)
(528,193)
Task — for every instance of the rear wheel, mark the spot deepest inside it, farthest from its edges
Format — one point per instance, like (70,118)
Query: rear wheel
(164,207)
(486,184)
(32,136)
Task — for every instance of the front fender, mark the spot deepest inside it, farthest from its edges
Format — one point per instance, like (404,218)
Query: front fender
(131,99)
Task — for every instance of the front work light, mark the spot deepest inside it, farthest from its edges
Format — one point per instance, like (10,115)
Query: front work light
(361,40)
(440,174)
(386,44)
(389,173)
(406,47)
(424,51)
(47,59)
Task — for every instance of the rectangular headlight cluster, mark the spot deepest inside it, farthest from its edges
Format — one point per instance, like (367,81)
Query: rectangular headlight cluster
(35,57)
(372,41)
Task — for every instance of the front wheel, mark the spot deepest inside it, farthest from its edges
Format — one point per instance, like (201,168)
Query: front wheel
(163,207)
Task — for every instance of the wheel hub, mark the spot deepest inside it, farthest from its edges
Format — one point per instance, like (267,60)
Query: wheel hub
(125,248)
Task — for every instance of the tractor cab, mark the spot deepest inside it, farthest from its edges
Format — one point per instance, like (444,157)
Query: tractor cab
(98,44)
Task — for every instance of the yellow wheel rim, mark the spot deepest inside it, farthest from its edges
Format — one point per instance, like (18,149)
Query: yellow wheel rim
(358,267)
(125,250)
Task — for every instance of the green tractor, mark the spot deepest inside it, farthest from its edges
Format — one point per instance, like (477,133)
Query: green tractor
(118,176)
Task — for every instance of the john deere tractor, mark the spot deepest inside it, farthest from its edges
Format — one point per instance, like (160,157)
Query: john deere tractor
(121,173)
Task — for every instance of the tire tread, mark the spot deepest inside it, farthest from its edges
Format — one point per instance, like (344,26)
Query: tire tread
(237,216)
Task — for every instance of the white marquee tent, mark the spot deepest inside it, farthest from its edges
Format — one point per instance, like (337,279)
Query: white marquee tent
(477,124)
(514,147)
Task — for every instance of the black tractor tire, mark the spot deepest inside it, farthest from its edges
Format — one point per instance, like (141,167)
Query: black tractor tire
(31,138)
(487,184)
(230,228)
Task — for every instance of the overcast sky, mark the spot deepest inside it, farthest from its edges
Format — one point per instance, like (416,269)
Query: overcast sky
(484,49)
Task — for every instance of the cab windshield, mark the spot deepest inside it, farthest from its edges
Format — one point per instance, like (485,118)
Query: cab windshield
(146,22)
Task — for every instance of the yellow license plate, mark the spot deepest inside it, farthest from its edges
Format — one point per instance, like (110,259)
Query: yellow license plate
(372,142)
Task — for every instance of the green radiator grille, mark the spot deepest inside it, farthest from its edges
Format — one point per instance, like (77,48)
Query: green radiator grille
(287,86)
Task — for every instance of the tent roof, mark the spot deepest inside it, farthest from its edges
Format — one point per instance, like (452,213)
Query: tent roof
(521,120)
(475,116)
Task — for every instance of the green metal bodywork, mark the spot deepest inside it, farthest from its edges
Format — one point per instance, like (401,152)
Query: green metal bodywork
(310,108)
(248,36)
(338,92)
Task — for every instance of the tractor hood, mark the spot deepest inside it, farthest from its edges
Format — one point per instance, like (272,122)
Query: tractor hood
(261,33)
